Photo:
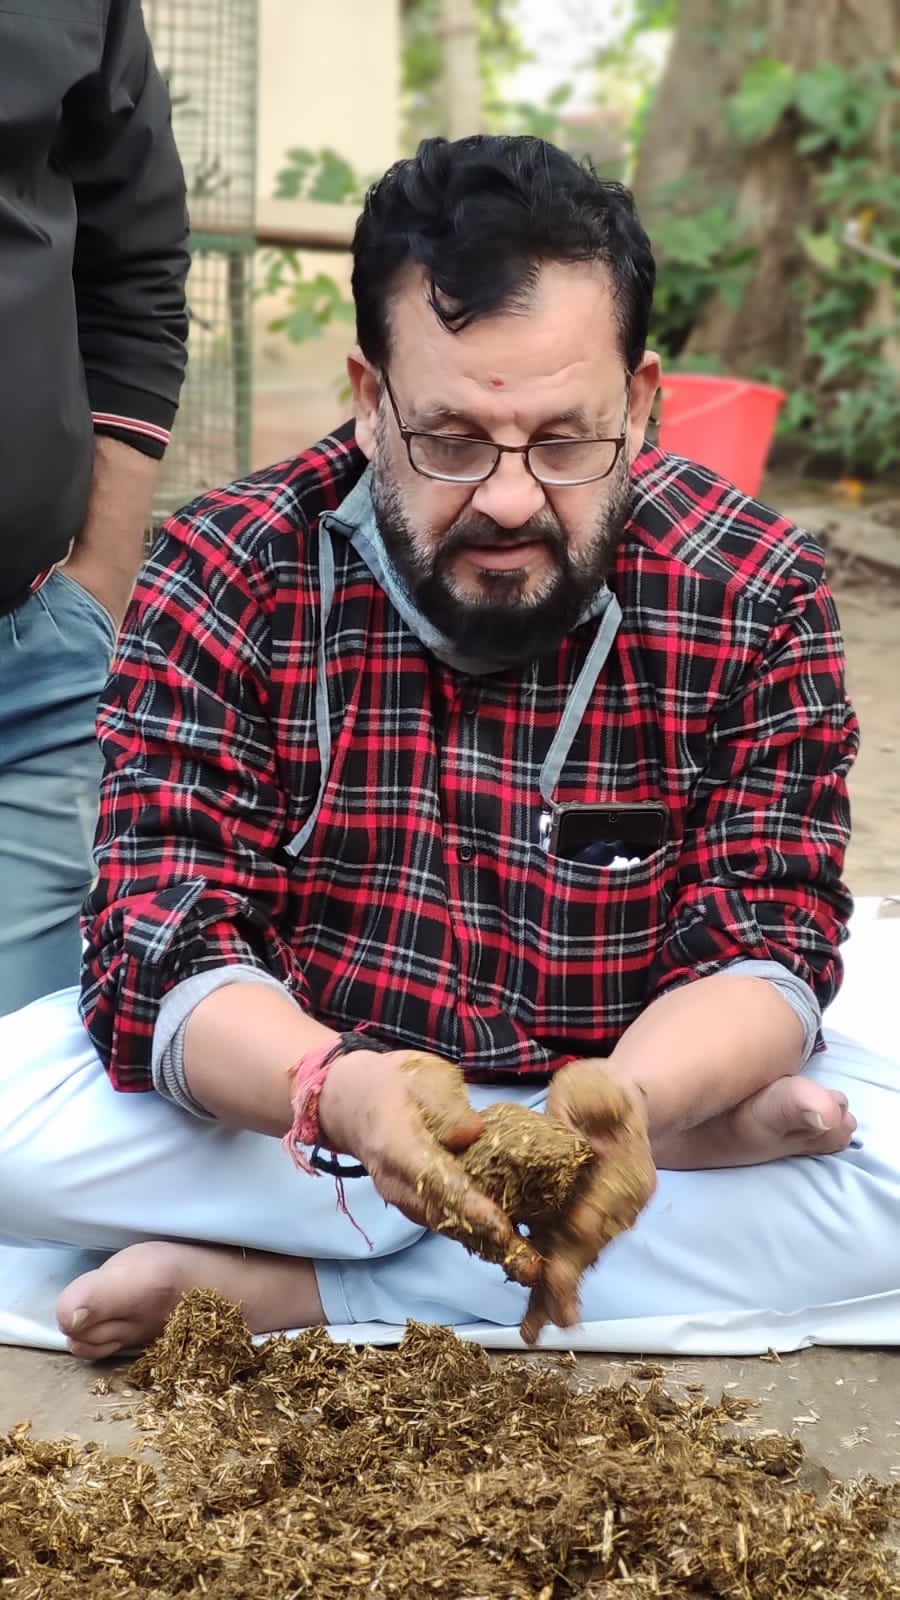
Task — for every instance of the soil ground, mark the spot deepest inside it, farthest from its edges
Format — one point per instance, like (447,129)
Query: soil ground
(842,1404)
(869,607)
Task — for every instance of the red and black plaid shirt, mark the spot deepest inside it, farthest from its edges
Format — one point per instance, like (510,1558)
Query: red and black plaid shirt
(423,903)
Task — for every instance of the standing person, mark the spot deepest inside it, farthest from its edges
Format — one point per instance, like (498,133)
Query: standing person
(486,729)
(93,234)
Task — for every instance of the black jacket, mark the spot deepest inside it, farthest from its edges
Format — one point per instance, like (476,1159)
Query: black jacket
(93,258)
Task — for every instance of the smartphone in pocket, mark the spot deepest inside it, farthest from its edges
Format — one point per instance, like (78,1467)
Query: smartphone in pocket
(608,833)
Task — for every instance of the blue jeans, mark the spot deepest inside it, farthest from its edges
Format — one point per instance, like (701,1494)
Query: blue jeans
(54,658)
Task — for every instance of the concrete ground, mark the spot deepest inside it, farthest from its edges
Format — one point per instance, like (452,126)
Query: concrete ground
(842,1405)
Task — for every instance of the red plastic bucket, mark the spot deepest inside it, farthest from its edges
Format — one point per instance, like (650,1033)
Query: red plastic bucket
(724,423)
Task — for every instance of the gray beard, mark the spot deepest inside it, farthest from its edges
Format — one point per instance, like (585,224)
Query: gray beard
(501,625)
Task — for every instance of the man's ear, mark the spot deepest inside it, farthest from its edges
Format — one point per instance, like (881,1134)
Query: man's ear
(644,385)
(366,386)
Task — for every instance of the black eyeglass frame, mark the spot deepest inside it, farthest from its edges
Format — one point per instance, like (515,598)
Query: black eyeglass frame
(408,435)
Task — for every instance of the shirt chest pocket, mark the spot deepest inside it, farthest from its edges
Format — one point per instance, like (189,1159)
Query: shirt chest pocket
(588,936)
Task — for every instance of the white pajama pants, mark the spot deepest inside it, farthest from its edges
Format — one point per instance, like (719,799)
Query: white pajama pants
(801,1251)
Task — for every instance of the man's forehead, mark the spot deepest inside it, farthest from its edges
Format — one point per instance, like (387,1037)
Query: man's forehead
(557,355)
(527,407)
(570,304)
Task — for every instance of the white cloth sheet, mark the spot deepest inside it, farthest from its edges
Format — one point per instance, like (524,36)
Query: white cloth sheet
(691,1239)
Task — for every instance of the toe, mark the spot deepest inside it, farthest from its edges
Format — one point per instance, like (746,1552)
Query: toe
(75,1306)
(807,1108)
(104,1340)
(828,1128)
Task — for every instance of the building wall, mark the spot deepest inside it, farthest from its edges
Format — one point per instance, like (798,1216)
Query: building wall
(328,76)
(319,77)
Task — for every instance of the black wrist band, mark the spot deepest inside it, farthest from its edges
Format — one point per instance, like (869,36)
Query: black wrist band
(331,1164)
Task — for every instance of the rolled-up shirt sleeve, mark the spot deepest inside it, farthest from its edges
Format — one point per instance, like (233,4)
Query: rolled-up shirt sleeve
(175,1012)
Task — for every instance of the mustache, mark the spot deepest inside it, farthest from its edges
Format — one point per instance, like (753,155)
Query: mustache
(489,535)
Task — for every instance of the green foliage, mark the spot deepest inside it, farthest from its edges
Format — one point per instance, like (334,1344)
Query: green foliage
(700,253)
(835,108)
(647,15)
(319,175)
(860,431)
(627,73)
(849,417)
(762,98)
(311,304)
(500,48)
(421,70)
(845,417)
(500,52)
(520,116)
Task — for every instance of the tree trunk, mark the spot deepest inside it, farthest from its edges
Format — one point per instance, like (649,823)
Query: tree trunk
(458,29)
(686,136)
(772,184)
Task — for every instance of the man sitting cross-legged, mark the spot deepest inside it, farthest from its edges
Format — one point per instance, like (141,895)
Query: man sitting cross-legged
(481,728)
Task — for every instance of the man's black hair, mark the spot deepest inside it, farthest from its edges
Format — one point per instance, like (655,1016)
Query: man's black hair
(482,215)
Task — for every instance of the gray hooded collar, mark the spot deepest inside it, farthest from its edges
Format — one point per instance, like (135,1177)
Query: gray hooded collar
(355,520)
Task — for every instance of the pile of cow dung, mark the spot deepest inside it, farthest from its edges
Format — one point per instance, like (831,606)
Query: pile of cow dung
(543,1174)
(304,1468)
(532,1167)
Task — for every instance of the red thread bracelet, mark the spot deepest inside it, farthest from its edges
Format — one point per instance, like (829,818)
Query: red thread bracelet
(307,1081)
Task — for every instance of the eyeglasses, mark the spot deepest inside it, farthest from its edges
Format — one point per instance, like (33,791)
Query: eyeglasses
(554,463)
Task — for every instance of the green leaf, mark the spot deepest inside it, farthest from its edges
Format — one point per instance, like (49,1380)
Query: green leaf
(836,359)
(813,140)
(763,95)
(288,185)
(290,181)
(651,14)
(822,248)
(322,284)
(336,180)
(302,324)
(799,411)
(686,241)
(835,303)
(737,258)
(731,290)
(273,278)
(822,94)
(859,122)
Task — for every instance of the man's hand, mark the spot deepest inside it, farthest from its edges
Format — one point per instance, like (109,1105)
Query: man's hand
(613,1120)
(404,1116)
(106,557)
(111,589)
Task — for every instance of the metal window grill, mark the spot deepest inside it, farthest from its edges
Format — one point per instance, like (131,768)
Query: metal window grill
(207,52)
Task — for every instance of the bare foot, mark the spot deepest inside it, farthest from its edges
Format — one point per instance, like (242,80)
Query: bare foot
(791,1117)
(124,1304)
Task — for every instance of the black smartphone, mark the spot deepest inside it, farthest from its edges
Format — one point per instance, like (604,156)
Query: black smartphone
(609,832)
